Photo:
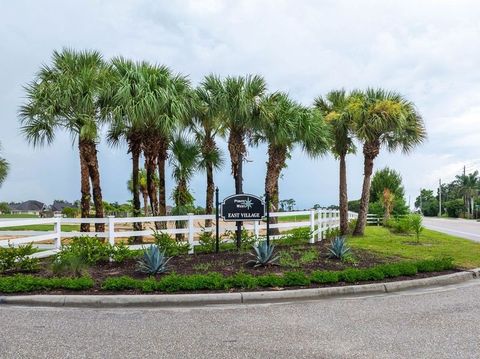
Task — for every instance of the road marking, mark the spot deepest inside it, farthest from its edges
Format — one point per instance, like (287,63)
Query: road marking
(455,231)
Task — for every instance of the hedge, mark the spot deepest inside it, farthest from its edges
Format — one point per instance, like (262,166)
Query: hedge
(215,281)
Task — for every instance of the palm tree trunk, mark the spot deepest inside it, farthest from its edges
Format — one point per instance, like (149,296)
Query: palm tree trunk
(162,194)
(370,151)
(85,187)
(208,147)
(145,202)
(96,187)
(277,156)
(135,149)
(150,151)
(343,200)
(236,147)
(181,193)
(209,194)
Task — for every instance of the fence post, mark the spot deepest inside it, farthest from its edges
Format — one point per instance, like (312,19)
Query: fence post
(319,224)
(191,229)
(256,229)
(312,226)
(58,231)
(111,230)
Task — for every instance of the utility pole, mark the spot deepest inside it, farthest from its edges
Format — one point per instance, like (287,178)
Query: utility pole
(440,197)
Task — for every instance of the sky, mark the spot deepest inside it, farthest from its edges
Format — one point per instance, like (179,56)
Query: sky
(426,50)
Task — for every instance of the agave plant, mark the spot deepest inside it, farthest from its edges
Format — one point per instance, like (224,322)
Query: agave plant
(338,248)
(264,255)
(153,261)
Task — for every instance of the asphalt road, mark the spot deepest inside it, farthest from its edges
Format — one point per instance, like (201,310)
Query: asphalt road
(464,228)
(427,323)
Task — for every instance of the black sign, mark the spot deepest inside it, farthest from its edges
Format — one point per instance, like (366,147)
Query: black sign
(243,207)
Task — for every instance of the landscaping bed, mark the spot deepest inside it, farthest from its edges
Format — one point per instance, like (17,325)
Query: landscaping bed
(85,266)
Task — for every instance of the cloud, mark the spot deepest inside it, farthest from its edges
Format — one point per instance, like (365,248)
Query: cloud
(426,50)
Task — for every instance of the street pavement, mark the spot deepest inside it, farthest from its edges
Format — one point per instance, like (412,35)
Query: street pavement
(424,323)
(469,229)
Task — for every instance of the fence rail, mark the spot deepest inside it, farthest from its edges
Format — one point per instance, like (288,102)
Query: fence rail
(319,221)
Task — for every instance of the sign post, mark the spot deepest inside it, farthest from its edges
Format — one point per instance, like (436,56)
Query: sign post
(267,200)
(217,217)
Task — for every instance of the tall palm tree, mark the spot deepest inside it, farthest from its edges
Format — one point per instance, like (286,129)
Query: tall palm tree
(4,168)
(120,103)
(64,95)
(469,185)
(165,106)
(335,108)
(240,99)
(184,160)
(383,119)
(206,124)
(283,124)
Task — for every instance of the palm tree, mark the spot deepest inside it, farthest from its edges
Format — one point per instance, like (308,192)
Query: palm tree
(469,185)
(142,187)
(383,118)
(205,125)
(283,124)
(240,99)
(65,95)
(120,107)
(4,168)
(165,105)
(335,109)
(184,160)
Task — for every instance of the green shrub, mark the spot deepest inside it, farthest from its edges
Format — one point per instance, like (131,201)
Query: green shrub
(401,225)
(324,277)
(390,270)
(416,223)
(294,237)
(241,280)
(295,279)
(90,249)
(435,265)
(120,253)
(120,283)
(407,269)
(331,233)
(270,280)
(171,246)
(15,259)
(309,256)
(28,283)
(70,263)
(208,242)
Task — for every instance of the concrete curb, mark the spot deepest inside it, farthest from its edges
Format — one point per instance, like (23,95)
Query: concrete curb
(190,300)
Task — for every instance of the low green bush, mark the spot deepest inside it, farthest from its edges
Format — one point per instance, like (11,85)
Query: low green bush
(170,246)
(15,259)
(294,237)
(324,277)
(28,283)
(215,281)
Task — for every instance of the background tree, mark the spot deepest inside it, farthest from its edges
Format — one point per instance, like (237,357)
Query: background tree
(121,107)
(4,168)
(337,114)
(206,124)
(283,123)
(184,160)
(142,186)
(427,203)
(382,119)
(469,186)
(64,95)
(240,99)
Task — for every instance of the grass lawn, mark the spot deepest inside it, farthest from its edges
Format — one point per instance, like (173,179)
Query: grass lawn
(294,218)
(466,253)
(13,216)
(42,227)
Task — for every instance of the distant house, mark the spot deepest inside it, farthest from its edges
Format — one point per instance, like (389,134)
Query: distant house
(58,206)
(27,207)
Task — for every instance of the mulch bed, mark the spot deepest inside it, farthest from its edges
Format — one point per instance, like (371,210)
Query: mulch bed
(231,262)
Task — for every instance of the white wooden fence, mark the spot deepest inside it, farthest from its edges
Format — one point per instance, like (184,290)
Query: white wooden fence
(319,221)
